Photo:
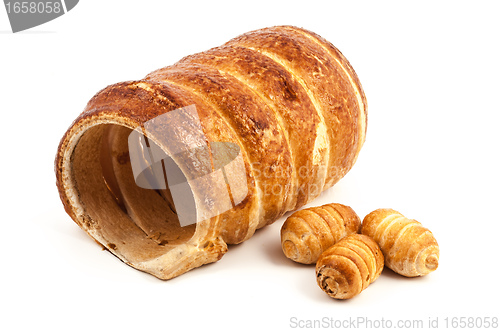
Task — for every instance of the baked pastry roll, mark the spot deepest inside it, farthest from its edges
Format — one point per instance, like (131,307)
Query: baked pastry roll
(165,171)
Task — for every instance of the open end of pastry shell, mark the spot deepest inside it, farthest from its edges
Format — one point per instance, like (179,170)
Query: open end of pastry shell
(140,226)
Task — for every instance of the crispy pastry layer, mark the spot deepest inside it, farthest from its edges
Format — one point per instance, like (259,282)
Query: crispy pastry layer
(285,97)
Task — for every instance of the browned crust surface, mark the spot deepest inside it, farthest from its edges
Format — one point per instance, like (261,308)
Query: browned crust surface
(284,95)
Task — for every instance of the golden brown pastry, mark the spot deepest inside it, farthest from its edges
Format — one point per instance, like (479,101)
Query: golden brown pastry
(308,232)
(254,128)
(409,248)
(349,266)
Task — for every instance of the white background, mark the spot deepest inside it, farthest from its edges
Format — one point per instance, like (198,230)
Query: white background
(430,71)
